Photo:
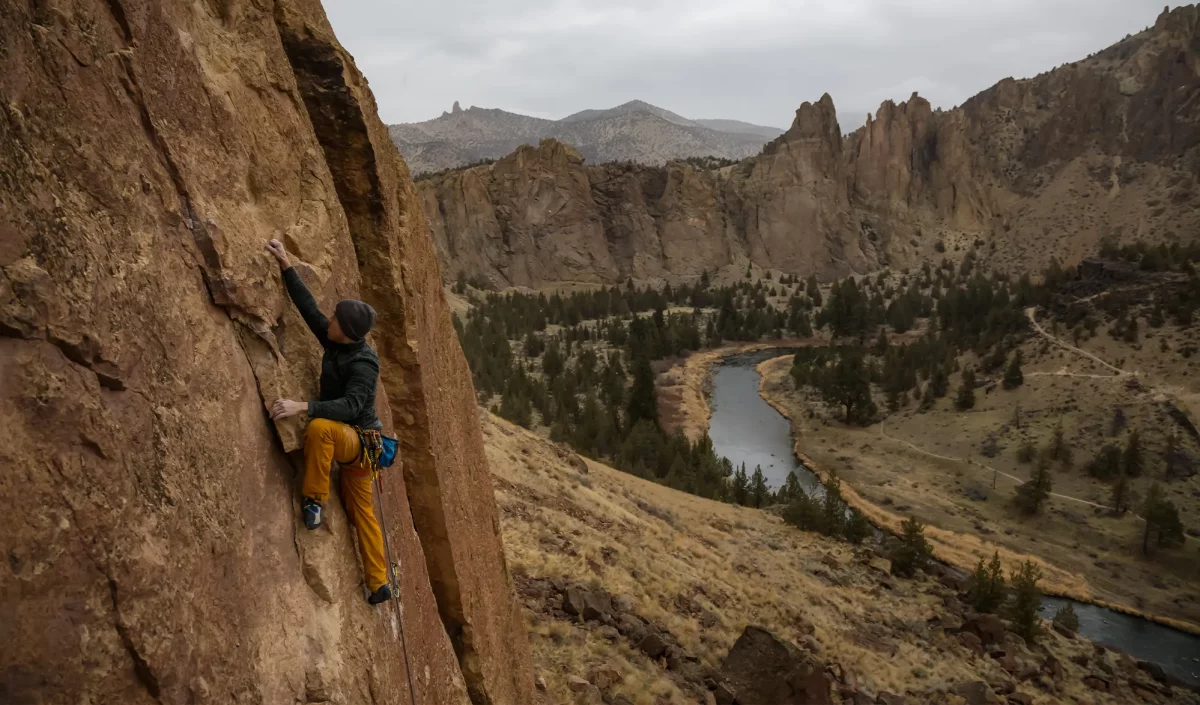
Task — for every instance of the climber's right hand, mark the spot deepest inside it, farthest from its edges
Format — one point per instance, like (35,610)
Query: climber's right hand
(277,249)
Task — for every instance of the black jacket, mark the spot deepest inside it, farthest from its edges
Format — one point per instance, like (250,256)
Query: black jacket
(349,372)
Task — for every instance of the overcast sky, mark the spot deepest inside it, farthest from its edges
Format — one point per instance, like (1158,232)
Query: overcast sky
(753,60)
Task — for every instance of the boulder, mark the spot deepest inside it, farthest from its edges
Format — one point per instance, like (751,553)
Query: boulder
(1020,699)
(1153,670)
(653,645)
(1096,682)
(605,676)
(972,642)
(988,627)
(578,685)
(596,605)
(632,628)
(574,601)
(725,694)
(976,693)
(766,670)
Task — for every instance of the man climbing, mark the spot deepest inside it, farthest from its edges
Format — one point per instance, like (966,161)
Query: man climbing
(349,372)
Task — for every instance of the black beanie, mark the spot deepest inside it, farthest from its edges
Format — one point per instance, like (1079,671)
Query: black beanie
(355,318)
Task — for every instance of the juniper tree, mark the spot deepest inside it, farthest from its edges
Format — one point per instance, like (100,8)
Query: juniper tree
(1162,520)
(966,393)
(1034,493)
(1026,599)
(1013,377)
(759,492)
(1132,460)
(913,552)
(986,589)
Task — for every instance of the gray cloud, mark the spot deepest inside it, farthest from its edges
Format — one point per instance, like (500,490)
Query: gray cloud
(753,60)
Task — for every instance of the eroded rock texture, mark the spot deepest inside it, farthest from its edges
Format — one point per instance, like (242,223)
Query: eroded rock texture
(147,151)
(1028,170)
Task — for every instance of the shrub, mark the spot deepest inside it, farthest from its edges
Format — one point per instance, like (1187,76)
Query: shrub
(913,552)
(1066,618)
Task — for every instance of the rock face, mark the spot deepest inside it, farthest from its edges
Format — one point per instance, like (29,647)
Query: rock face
(765,670)
(148,151)
(1028,170)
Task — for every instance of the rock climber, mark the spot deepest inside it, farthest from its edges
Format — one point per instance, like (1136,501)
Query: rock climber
(349,372)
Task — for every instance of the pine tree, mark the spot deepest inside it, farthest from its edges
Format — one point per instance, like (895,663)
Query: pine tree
(643,401)
(1033,494)
(1066,618)
(1026,599)
(1162,520)
(857,527)
(1013,377)
(1107,464)
(966,393)
(939,382)
(913,552)
(1132,462)
(789,490)
(848,384)
(1059,450)
(741,486)
(758,488)
(552,362)
(986,590)
(1120,494)
(881,342)
(833,508)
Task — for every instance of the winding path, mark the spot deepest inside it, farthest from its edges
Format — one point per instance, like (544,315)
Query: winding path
(977,464)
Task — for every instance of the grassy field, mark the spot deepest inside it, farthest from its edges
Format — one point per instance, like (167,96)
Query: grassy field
(932,464)
(705,570)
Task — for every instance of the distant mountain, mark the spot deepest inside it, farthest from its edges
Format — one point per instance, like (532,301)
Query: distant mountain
(744,128)
(635,131)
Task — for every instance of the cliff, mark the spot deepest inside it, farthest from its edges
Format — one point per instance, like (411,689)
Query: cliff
(1026,171)
(148,150)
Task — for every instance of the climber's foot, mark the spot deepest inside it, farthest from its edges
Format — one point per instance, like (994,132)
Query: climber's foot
(383,594)
(312,513)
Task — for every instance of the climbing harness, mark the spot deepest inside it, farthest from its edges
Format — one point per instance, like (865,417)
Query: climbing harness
(393,569)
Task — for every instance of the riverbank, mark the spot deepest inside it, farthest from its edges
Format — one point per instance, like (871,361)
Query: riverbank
(683,388)
(852,450)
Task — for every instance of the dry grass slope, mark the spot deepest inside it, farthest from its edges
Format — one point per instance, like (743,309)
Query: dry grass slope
(674,556)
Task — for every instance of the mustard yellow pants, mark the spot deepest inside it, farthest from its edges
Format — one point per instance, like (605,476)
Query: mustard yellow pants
(324,442)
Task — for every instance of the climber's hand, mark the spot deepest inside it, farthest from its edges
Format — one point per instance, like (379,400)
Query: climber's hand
(286,408)
(277,249)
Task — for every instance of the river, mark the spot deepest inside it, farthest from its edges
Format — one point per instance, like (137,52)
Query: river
(746,429)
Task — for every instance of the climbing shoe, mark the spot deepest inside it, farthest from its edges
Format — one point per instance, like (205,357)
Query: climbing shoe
(383,594)
(312,514)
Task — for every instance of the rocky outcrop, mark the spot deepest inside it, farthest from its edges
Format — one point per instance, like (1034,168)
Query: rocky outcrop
(765,670)
(1026,171)
(148,150)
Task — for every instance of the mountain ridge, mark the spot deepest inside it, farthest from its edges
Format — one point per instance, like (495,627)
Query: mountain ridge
(1023,173)
(635,131)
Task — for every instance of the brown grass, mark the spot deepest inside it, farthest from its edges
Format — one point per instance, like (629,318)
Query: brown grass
(937,498)
(663,549)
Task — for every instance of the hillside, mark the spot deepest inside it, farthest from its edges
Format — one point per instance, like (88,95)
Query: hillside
(645,559)
(1024,172)
(632,132)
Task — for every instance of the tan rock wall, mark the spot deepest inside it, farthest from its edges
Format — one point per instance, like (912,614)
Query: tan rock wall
(1033,169)
(147,151)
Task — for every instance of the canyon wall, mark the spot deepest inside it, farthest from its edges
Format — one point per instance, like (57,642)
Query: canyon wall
(1026,171)
(147,152)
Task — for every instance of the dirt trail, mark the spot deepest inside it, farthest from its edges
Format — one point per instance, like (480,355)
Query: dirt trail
(1186,400)
(977,464)
(1031,313)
